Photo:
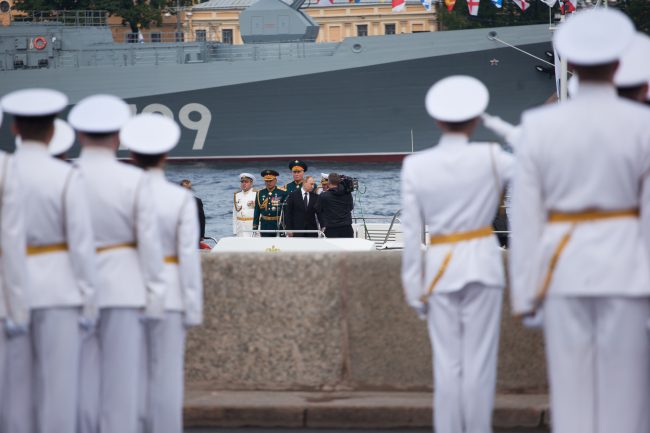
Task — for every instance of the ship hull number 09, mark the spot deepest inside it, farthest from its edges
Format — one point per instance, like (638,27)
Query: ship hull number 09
(185,118)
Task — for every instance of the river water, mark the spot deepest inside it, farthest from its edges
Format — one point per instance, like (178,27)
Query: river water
(215,183)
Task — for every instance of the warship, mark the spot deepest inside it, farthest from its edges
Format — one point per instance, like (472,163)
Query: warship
(280,94)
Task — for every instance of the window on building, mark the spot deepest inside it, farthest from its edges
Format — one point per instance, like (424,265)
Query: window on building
(362,30)
(156,37)
(226,36)
(201,36)
(389,29)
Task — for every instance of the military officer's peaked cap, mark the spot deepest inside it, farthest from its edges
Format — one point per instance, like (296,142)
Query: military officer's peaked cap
(634,69)
(150,134)
(247,175)
(63,138)
(594,37)
(457,98)
(270,174)
(297,163)
(34,102)
(99,114)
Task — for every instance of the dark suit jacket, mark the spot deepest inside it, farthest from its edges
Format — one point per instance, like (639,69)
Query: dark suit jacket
(199,206)
(296,217)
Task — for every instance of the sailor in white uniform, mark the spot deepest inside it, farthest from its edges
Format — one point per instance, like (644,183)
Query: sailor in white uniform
(150,137)
(580,244)
(454,190)
(633,74)
(62,140)
(244,207)
(61,257)
(130,267)
(14,306)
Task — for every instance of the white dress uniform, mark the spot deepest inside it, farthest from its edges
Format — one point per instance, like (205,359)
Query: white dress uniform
(579,244)
(454,189)
(60,265)
(14,308)
(243,210)
(130,267)
(176,215)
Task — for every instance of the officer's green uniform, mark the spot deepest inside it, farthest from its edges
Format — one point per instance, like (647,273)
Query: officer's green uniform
(293,185)
(268,207)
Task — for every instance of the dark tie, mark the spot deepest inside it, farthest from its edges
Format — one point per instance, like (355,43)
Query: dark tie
(306,200)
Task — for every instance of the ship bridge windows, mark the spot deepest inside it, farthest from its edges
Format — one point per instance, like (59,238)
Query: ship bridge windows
(389,29)
(362,30)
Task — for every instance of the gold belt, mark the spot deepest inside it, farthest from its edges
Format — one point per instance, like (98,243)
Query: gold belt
(244,219)
(33,250)
(116,247)
(452,238)
(574,218)
(171,259)
(268,218)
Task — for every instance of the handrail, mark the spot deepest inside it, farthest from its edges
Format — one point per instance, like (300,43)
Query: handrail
(321,234)
(392,222)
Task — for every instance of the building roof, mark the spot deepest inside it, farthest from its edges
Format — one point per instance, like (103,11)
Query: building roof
(242,4)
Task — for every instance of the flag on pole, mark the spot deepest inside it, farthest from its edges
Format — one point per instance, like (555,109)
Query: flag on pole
(450,4)
(398,5)
(498,3)
(523,4)
(550,3)
(426,4)
(472,6)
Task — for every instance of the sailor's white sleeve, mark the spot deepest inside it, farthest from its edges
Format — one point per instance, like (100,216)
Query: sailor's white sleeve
(150,249)
(234,215)
(189,262)
(645,194)
(527,219)
(510,133)
(81,243)
(412,223)
(13,244)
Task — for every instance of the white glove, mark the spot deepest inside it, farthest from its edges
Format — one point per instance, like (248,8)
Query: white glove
(500,127)
(535,320)
(13,329)
(422,311)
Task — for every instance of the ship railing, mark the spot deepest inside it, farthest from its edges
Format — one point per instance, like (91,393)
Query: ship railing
(277,233)
(82,18)
(158,37)
(291,50)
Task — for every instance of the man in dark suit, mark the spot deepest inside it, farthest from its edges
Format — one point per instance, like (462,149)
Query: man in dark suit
(300,210)
(186,183)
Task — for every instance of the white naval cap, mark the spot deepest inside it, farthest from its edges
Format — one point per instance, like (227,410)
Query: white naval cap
(63,138)
(101,114)
(594,37)
(34,102)
(248,175)
(634,69)
(324,176)
(150,134)
(457,98)
(573,86)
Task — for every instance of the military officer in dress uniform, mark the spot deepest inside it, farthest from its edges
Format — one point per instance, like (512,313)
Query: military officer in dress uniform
(298,169)
(268,204)
(130,267)
(14,306)
(633,74)
(580,244)
(244,207)
(61,258)
(454,190)
(150,137)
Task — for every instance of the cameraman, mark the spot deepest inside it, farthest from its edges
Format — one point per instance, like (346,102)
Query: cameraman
(335,207)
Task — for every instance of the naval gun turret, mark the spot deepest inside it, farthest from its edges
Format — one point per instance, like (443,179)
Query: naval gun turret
(272,21)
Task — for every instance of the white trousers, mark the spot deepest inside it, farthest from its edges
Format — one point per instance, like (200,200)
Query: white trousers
(464,332)
(240,226)
(89,383)
(163,370)
(120,344)
(56,344)
(598,352)
(18,406)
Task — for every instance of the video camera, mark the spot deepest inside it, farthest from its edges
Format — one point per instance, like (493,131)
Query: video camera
(349,184)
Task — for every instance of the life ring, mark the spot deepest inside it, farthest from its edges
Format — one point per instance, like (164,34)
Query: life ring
(40,42)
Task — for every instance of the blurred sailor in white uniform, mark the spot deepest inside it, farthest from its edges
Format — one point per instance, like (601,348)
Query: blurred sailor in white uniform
(62,140)
(580,244)
(15,355)
(454,190)
(633,74)
(244,207)
(150,137)
(130,267)
(61,257)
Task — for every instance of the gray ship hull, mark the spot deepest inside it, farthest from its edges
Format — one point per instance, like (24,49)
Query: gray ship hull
(364,101)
